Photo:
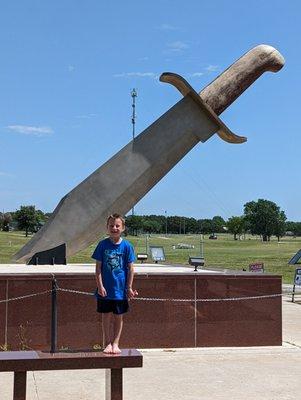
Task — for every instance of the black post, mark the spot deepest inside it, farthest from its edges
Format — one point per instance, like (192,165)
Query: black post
(293,294)
(54,316)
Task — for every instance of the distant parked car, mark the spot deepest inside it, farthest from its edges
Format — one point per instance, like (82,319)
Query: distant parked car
(213,236)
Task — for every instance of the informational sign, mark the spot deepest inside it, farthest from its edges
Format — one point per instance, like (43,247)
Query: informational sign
(297,280)
(157,253)
(142,257)
(295,258)
(196,261)
(256,267)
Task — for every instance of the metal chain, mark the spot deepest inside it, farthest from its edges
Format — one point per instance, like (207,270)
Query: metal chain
(26,296)
(74,291)
(185,300)
(153,298)
(210,300)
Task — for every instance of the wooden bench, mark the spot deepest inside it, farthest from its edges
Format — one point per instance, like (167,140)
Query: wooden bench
(20,362)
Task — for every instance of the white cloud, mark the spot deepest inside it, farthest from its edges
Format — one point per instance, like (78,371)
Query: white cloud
(31,130)
(136,74)
(6,174)
(86,116)
(167,27)
(206,70)
(177,46)
(196,74)
(212,68)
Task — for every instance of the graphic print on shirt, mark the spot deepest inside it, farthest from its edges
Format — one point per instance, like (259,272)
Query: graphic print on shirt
(113,260)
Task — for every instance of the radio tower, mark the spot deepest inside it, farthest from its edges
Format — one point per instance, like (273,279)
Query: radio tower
(134,95)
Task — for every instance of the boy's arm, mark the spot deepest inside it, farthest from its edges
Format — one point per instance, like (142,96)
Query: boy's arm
(101,289)
(130,292)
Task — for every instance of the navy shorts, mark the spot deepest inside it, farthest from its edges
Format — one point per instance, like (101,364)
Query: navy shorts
(114,306)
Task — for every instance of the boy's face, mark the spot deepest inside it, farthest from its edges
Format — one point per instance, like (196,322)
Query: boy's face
(115,228)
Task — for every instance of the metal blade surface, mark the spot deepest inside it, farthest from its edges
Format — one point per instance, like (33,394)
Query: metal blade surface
(121,182)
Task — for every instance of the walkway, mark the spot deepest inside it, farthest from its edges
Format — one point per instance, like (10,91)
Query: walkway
(261,373)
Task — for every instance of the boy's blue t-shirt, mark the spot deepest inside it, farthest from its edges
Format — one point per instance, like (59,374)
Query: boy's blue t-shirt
(114,266)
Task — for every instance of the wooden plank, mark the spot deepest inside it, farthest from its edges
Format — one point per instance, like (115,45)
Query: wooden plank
(114,390)
(42,361)
(20,385)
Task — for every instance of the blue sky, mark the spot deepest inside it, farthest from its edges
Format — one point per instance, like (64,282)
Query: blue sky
(66,72)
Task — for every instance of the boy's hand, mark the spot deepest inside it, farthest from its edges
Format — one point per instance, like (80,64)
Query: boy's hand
(131,293)
(102,291)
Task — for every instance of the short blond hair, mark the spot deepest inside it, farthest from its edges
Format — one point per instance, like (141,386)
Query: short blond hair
(116,216)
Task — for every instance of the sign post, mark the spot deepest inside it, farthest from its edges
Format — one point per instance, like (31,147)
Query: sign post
(297,281)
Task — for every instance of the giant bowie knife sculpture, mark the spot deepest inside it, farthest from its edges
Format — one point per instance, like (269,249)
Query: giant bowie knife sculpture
(121,182)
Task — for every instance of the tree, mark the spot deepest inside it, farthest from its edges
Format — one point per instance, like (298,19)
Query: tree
(236,225)
(218,224)
(47,215)
(5,221)
(191,225)
(175,224)
(160,221)
(205,225)
(280,226)
(294,227)
(28,219)
(151,226)
(264,218)
(134,224)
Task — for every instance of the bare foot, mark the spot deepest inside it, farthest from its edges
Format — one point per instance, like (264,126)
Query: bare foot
(108,349)
(115,349)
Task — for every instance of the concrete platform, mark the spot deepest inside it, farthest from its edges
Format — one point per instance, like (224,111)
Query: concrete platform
(263,373)
(145,268)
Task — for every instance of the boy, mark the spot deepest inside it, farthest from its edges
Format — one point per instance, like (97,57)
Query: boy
(114,277)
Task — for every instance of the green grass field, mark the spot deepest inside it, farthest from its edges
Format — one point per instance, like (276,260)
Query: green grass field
(221,253)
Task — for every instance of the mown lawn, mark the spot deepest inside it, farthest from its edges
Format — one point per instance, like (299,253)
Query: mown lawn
(222,253)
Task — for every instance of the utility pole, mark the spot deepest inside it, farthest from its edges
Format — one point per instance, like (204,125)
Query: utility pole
(133,95)
(202,245)
(165,223)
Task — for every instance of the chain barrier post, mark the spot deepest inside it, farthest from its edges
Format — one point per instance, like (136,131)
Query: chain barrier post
(54,316)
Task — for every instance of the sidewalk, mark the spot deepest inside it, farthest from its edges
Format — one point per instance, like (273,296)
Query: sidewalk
(261,373)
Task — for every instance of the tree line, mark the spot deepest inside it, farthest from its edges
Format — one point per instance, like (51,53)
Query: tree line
(261,217)
(27,219)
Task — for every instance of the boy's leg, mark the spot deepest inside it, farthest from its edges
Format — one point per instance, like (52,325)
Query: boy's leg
(117,325)
(107,335)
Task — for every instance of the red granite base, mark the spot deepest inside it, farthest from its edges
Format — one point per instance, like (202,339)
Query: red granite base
(26,324)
